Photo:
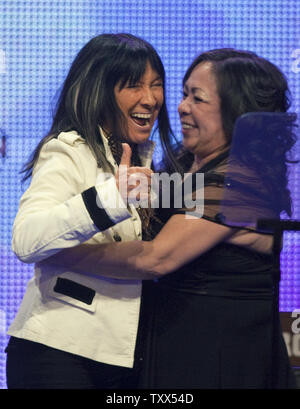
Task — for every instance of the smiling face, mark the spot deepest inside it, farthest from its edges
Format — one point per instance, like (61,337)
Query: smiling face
(140,104)
(200,113)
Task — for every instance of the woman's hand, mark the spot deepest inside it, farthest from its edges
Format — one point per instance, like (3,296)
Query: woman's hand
(133,182)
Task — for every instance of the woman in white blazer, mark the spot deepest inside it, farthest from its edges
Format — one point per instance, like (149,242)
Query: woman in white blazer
(78,330)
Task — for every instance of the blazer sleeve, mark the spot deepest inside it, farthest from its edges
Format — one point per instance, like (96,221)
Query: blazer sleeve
(54,213)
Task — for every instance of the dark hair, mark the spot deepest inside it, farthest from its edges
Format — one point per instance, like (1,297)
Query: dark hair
(245,83)
(249,83)
(87,99)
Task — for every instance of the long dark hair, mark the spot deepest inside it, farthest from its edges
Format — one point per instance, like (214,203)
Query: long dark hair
(249,83)
(87,98)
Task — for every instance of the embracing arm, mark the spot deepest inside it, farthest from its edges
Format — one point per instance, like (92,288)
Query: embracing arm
(179,242)
(59,210)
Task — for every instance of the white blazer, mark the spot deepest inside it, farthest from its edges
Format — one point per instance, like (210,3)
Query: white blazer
(90,316)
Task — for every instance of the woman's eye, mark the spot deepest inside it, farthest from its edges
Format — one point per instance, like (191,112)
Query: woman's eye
(197,99)
(157,84)
(133,86)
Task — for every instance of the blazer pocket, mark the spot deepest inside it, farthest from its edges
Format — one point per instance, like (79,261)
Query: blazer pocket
(73,293)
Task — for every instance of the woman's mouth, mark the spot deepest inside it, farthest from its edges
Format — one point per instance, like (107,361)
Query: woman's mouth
(141,119)
(185,125)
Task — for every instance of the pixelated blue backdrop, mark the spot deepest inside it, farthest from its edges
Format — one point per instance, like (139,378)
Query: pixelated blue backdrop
(39,39)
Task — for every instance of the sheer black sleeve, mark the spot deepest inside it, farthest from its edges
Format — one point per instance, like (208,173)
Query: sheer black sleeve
(229,193)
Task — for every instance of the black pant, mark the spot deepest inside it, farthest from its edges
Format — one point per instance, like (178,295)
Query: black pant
(31,365)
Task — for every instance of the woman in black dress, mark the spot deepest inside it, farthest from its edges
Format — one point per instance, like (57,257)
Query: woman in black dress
(208,324)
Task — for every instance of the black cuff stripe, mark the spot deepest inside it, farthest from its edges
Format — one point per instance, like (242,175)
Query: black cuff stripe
(98,214)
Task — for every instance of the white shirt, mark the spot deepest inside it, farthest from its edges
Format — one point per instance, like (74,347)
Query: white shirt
(90,316)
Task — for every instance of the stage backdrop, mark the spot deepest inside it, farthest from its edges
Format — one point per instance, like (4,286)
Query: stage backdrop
(39,39)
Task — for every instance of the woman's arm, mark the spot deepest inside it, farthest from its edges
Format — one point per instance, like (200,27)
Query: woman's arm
(56,211)
(179,242)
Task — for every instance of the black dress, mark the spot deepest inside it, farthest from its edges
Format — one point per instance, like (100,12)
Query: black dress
(209,324)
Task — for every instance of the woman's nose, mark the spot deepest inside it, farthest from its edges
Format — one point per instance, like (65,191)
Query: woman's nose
(148,97)
(184,107)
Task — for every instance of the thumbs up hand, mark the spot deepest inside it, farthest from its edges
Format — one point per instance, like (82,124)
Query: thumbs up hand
(126,155)
(133,182)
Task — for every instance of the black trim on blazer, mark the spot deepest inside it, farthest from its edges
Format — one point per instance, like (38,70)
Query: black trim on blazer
(98,214)
(74,290)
